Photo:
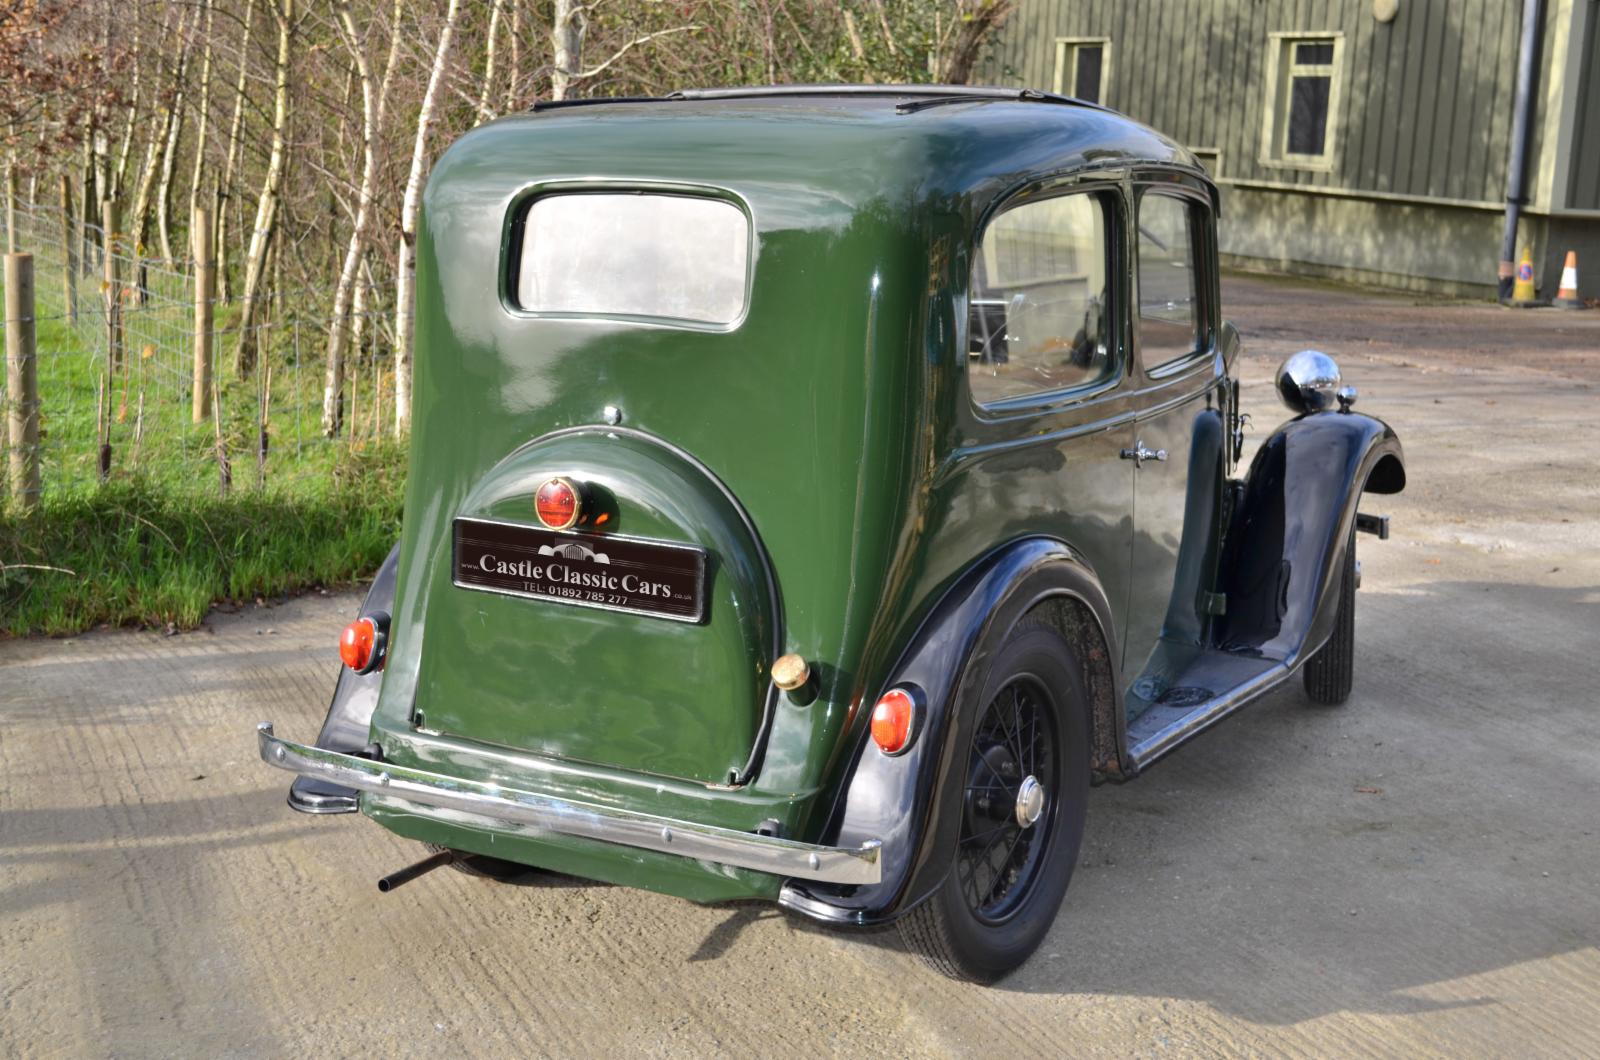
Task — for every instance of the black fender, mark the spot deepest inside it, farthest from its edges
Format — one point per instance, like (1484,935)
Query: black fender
(1290,526)
(905,800)
(355,696)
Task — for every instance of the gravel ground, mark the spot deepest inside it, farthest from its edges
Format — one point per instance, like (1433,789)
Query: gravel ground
(1412,874)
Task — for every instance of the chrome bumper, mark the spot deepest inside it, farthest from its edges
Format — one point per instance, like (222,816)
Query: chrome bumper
(526,811)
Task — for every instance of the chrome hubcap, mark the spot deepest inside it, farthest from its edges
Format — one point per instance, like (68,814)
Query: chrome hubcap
(1030,801)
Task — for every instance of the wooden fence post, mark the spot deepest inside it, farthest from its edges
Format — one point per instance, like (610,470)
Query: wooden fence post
(22,382)
(69,252)
(205,292)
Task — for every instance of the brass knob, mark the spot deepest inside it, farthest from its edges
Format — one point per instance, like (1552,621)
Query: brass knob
(790,672)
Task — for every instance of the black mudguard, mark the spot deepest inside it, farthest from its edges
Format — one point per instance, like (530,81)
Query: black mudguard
(355,696)
(905,800)
(1290,527)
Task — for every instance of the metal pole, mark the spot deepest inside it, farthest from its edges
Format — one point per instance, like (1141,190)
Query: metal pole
(205,285)
(1521,119)
(22,382)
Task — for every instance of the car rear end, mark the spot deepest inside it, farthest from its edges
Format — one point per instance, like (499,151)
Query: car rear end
(662,380)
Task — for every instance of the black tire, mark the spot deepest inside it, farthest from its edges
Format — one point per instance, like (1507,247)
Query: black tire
(1330,673)
(979,926)
(485,867)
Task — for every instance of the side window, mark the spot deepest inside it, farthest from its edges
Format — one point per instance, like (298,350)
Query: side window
(1170,326)
(1039,299)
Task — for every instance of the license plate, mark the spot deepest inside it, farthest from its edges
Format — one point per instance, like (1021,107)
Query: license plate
(590,570)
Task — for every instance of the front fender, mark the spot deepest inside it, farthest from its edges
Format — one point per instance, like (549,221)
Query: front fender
(904,800)
(1290,527)
(349,719)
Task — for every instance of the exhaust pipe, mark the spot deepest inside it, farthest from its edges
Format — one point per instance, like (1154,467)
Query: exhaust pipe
(411,872)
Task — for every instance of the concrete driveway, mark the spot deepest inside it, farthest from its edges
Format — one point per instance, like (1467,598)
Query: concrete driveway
(1416,873)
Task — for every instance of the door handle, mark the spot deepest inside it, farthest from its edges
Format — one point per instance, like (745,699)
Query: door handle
(1139,454)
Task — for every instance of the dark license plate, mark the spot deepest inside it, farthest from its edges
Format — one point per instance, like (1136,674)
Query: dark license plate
(590,570)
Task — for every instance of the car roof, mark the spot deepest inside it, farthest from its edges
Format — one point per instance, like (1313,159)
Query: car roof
(981,130)
(904,99)
(804,155)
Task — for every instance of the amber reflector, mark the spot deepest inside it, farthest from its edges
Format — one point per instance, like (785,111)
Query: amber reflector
(891,721)
(556,503)
(356,644)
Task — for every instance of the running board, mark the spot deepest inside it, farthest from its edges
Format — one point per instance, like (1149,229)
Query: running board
(1188,709)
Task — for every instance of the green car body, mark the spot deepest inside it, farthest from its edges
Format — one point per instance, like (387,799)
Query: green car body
(854,504)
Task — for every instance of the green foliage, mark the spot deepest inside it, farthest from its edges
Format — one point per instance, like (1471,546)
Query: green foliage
(134,553)
(157,544)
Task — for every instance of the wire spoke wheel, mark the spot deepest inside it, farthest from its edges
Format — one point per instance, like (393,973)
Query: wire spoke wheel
(1004,828)
(1020,783)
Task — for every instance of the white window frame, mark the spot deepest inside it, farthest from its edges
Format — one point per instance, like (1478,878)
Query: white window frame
(1281,68)
(1066,75)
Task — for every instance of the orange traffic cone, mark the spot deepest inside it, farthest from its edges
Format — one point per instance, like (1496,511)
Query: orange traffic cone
(1524,295)
(1567,297)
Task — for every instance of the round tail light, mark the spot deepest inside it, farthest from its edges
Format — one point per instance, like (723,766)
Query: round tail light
(894,721)
(362,645)
(558,503)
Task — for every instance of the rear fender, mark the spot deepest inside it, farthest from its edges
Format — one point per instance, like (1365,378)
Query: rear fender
(904,800)
(1290,527)
(355,696)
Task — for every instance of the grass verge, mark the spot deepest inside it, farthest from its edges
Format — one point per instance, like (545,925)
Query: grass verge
(137,552)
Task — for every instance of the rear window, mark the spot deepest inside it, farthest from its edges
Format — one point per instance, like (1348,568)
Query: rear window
(669,257)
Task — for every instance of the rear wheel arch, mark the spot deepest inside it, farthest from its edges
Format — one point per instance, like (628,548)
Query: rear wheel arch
(1092,650)
(898,800)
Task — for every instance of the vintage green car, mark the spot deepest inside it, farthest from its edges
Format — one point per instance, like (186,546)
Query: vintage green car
(813,491)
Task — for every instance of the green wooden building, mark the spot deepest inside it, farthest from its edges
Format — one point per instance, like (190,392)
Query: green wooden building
(1365,140)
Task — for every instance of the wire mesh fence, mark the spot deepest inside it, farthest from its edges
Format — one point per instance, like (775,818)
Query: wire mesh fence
(118,402)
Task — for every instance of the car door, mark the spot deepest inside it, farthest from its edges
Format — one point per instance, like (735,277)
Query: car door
(1047,374)
(1177,454)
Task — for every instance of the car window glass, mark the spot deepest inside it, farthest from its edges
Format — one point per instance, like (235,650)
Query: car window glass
(1037,317)
(672,257)
(1169,317)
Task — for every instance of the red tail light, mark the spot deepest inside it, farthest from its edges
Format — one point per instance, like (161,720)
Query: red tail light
(362,644)
(894,721)
(558,503)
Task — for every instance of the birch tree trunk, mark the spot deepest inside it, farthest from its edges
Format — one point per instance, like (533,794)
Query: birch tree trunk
(374,105)
(88,200)
(406,262)
(244,362)
(150,173)
(485,112)
(202,123)
(567,25)
(514,82)
(169,158)
(225,187)
(115,177)
(138,222)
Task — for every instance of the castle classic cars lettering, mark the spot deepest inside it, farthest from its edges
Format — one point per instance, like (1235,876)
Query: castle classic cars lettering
(594,571)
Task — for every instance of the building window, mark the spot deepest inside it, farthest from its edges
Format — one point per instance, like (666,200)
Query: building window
(1082,64)
(1304,100)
